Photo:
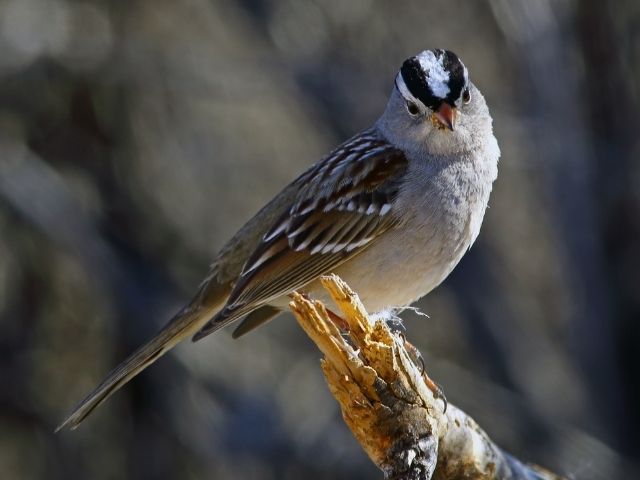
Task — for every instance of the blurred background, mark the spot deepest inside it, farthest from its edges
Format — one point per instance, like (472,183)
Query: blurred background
(136,137)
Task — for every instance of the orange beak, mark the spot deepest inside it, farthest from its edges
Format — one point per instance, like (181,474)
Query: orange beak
(446,116)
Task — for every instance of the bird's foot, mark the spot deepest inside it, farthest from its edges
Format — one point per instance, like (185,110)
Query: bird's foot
(436,389)
(340,322)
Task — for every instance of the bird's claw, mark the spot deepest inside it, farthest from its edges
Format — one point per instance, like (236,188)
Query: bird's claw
(438,394)
(436,389)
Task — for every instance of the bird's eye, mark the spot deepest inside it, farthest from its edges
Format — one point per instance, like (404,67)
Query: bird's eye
(412,108)
(466,96)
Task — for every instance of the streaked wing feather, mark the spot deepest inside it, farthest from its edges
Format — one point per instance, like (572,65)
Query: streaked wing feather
(294,268)
(343,205)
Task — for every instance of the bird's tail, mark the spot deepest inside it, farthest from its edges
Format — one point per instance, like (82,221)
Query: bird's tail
(183,325)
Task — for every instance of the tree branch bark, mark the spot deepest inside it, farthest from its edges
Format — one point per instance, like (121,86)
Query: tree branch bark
(386,402)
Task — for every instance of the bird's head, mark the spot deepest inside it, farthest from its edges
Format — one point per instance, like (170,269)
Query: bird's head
(434,102)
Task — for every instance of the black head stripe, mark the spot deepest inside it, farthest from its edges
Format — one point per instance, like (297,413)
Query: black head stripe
(457,80)
(417,82)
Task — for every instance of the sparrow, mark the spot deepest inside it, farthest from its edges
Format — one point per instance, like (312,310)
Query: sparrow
(392,211)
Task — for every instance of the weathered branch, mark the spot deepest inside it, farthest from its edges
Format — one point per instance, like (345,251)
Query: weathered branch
(387,404)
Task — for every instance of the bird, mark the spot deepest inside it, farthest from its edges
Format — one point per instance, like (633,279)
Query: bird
(392,210)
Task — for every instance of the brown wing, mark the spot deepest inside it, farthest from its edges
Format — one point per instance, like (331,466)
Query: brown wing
(344,203)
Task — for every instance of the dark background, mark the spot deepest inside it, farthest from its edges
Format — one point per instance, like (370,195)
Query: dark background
(136,137)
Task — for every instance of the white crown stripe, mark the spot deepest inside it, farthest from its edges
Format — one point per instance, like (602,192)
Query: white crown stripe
(437,75)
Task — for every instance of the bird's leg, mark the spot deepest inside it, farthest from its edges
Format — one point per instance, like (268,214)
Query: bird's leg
(340,322)
(438,392)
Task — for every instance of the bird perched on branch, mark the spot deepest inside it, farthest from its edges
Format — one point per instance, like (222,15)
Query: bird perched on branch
(392,211)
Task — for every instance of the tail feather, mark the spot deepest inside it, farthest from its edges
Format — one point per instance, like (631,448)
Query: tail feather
(181,326)
(255,319)
(221,319)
